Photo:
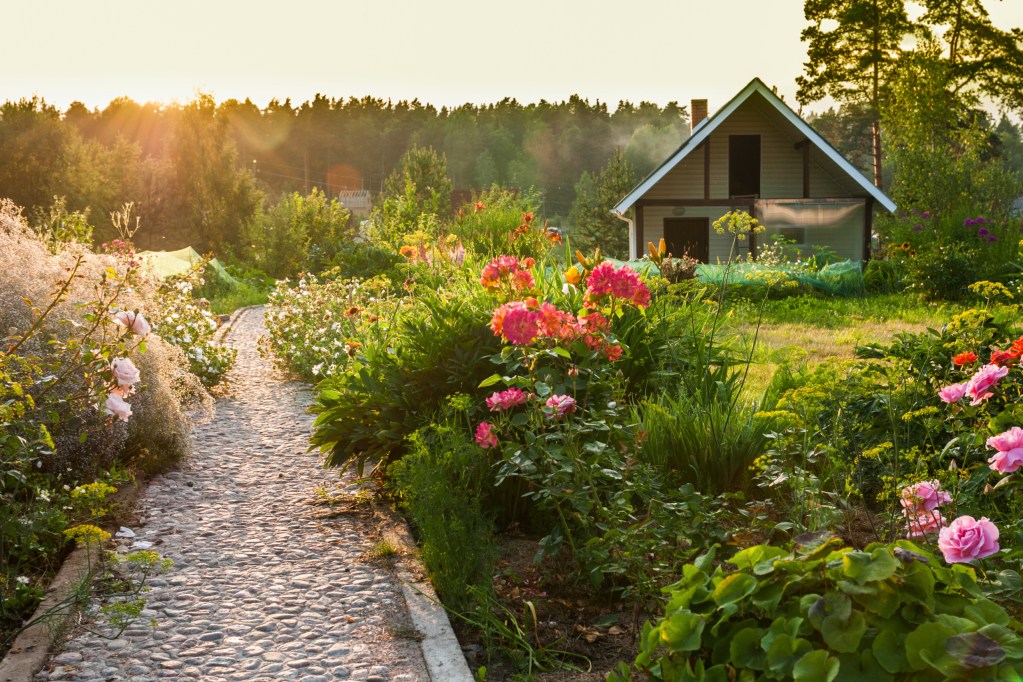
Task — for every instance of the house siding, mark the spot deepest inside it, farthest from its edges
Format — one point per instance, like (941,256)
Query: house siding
(781,177)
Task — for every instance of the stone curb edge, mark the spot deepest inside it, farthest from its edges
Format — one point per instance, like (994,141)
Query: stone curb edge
(445,661)
(222,330)
(33,645)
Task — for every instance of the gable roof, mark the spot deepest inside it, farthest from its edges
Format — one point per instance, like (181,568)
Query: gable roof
(707,126)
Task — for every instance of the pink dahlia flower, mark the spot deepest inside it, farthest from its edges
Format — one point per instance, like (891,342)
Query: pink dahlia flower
(966,539)
(1009,445)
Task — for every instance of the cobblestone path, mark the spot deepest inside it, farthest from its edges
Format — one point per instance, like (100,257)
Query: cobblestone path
(261,589)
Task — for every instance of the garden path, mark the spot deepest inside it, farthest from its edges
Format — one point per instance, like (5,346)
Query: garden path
(261,589)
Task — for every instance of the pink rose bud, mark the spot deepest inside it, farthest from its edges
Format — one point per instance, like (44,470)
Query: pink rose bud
(953,394)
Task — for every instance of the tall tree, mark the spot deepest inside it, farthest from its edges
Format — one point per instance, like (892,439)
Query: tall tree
(596,196)
(853,47)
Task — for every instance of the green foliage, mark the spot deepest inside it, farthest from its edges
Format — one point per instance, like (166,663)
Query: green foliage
(595,226)
(826,612)
(445,483)
(299,234)
(59,227)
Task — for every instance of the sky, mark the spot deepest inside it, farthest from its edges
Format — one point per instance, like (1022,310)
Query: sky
(445,52)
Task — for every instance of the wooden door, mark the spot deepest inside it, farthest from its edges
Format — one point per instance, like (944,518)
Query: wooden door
(688,235)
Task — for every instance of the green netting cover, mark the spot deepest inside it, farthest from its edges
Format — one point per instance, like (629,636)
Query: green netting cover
(170,263)
(842,278)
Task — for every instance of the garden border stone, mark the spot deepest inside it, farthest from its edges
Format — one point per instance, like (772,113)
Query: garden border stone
(30,649)
(445,660)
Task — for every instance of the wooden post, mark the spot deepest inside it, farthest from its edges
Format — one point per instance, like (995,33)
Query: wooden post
(868,228)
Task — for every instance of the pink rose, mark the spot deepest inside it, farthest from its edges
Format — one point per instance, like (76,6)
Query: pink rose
(953,394)
(925,496)
(1009,445)
(132,321)
(125,372)
(927,523)
(116,405)
(561,405)
(505,400)
(966,539)
(978,387)
(485,437)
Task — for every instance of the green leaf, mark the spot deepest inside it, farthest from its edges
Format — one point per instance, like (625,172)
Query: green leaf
(733,588)
(974,650)
(844,635)
(889,649)
(745,649)
(682,631)
(542,389)
(755,556)
(558,350)
(863,567)
(928,639)
(490,381)
(832,604)
(816,666)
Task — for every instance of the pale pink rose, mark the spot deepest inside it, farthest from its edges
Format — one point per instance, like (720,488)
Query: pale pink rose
(953,394)
(925,496)
(979,387)
(116,405)
(1009,445)
(132,321)
(561,405)
(485,436)
(966,539)
(125,372)
(927,523)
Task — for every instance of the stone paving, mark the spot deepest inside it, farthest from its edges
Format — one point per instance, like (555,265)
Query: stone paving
(261,588)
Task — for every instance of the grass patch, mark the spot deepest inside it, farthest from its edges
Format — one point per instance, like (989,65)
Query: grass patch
(226,301)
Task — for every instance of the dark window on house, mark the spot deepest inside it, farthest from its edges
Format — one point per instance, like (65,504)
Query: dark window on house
(793,235)
(743,165)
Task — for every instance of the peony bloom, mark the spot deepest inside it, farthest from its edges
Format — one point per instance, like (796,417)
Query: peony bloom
(132,321)
(561,405)
(485,437)
(125,372)
(952,394)
(505,400)
(927,523)
(623,284)
(1009,445)
(116,405)
(522,280)
(925,496)
(966,539)
(967,358)
(979,387)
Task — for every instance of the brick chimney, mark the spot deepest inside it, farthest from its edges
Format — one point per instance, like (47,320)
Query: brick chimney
(698,111)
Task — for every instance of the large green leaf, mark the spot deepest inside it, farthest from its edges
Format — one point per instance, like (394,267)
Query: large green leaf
(733,588)
(926,644)
(974,650)
(816,666)
(682,631)
(745,649)
(844,634)
(864,567)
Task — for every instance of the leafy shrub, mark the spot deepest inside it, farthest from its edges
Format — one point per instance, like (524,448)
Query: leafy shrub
(300,233)
(826,612)
(882,276)
(444,485)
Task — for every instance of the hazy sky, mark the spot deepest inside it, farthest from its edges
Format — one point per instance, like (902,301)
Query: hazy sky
(446,52)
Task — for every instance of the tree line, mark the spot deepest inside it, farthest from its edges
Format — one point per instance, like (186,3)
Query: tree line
(198,172)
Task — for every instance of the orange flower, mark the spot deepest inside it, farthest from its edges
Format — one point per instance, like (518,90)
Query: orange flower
(967,358)
(1017,347)
(480,206)
(527,217)
(573,275)
(555,237)
(353,311)
(408,252)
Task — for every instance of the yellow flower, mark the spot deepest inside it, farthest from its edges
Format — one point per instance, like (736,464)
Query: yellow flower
(85,534)
(573,276)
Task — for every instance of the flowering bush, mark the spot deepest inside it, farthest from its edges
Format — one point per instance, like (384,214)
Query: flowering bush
(189,324)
